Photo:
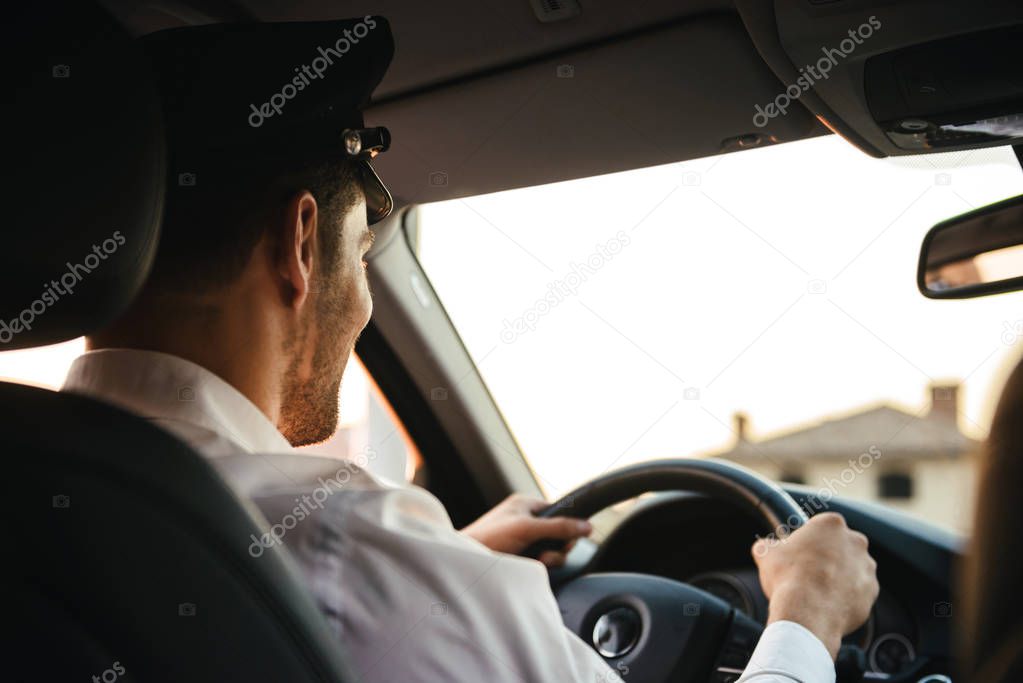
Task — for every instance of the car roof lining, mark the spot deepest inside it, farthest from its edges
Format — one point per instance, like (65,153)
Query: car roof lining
(438,42)
(632,103)
(475,103)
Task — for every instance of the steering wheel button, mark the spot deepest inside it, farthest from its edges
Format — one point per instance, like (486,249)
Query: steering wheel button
(616,632)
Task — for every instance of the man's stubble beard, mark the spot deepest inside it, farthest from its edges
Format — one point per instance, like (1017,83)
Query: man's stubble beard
(309,408)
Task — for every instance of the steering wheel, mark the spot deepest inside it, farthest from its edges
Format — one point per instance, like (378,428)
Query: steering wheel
(657,629)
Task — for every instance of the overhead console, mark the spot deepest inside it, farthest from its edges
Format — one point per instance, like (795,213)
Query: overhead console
(897,78)
(951,92)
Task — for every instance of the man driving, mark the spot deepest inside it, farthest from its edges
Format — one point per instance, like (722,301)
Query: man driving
(256,298)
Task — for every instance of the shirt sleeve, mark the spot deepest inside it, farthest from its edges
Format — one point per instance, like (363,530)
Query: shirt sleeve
(412,599)
(789,653)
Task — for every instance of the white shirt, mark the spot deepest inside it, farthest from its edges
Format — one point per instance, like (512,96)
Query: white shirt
(410,598)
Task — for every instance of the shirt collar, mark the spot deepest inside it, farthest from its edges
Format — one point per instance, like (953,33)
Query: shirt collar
(161,386)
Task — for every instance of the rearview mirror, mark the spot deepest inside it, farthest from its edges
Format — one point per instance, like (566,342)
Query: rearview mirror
(975,254)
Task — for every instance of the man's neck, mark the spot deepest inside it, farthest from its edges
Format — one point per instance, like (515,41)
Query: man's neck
(230,337)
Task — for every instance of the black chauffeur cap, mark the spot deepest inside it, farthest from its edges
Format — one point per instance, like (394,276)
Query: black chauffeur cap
(266,93)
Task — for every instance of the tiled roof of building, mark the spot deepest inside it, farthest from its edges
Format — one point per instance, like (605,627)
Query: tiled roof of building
(897,433)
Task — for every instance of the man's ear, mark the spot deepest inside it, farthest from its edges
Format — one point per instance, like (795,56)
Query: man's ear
(296,255)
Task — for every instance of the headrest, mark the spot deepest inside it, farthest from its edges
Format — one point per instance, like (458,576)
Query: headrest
(86,152)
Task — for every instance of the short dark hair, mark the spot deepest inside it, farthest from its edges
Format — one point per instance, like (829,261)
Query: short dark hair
(214,218)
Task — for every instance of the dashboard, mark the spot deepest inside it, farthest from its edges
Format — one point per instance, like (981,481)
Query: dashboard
(706,543)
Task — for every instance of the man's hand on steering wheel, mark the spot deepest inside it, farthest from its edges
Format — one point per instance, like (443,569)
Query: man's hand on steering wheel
(512,526)
(820,577)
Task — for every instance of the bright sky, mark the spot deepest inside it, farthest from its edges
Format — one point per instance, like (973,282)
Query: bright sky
(779,282)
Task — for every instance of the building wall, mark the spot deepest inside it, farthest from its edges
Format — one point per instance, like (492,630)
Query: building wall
(943,490)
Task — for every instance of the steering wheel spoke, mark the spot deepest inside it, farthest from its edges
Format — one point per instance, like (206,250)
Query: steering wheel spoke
(650,628)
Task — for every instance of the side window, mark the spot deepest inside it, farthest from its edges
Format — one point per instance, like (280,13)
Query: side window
(368,430)
(42,367)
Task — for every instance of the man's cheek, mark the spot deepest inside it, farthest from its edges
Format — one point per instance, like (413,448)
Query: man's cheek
(367,302)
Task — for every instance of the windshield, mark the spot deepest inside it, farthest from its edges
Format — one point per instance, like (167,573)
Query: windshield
(759,306)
